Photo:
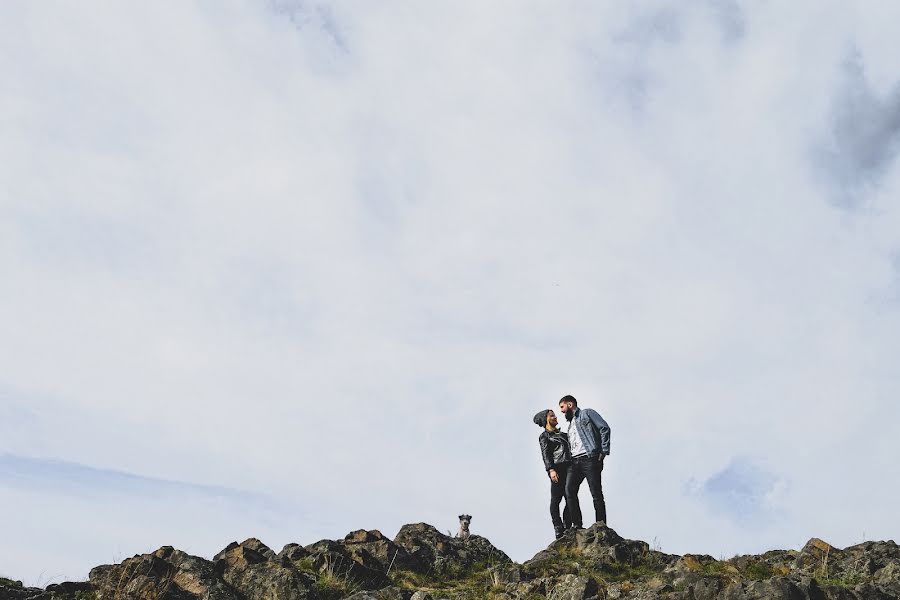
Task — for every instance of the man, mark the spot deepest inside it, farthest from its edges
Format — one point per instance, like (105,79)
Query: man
(589,442)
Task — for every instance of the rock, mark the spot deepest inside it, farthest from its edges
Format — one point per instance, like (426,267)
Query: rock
(143,577)
(888,574)
(70,588)
(255,572)
(597,535)
(708,588)
(533,587)
(240,555)
(840,593)
(293,553)
(195,575)
(691,563)
(429,550)
(241,572)
(573,587)
(505,574)
(269,580)
(14,590)
(423,564)
(778,588)
(390,593)
(364,557)
(813,559)
(258,547)
(374,551)
(362,536)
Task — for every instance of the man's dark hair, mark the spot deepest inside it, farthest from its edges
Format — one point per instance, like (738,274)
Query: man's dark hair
(568,399)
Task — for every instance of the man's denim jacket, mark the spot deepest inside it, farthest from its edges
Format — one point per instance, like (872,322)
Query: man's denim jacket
(591,426)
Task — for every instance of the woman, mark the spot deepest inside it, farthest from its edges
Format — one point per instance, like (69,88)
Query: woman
(557,459)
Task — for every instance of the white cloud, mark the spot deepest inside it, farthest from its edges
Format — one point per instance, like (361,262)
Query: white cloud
(341,253)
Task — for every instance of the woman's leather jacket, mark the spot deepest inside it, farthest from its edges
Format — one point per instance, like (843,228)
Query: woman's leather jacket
(554,449)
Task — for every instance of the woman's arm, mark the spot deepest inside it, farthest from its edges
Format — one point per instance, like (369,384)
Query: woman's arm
(546,453)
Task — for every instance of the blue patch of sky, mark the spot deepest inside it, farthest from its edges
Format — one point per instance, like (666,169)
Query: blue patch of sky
(12,415)
(386,186)
(66,239)
(730,18)
(624,72)
(68,478)
(661,26)
(266,294)
(864,138)
(443,329)
(319,26)
(739,491)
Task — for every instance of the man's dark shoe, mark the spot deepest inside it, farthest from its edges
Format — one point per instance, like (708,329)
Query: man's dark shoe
(559,531)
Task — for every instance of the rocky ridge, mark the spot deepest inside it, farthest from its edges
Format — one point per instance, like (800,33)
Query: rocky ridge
(421,563)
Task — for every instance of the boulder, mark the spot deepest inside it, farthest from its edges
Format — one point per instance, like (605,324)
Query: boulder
(421,563)
(293,553)
(374,551)
(240,555)
(70,589)
(270,580)
(142,577)
(430,551)
(573,587)
(777,588)
(365,563)
(194,575)
(14,590)
(258,547)
(389,593)
(255,572)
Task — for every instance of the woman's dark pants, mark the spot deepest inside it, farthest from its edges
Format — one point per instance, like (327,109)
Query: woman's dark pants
(557,493)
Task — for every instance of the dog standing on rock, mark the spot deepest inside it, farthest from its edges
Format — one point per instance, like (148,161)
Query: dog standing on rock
(464,521)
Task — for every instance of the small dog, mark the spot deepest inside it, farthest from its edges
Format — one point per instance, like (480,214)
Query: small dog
(464,521)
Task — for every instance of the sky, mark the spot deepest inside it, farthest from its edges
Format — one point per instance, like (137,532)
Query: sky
(287,269)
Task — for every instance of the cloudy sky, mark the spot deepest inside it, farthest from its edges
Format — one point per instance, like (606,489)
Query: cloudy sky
(287,268)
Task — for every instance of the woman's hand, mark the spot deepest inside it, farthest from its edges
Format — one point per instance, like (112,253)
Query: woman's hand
(553,476)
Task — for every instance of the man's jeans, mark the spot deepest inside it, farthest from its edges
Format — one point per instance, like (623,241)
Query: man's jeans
(585,467)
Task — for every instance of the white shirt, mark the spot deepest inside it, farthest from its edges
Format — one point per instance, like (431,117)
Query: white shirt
(575,444)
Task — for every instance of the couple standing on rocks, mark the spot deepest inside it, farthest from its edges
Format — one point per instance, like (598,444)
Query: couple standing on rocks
(571,457)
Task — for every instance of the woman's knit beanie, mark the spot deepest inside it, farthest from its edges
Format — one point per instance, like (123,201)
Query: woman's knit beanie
(540,419)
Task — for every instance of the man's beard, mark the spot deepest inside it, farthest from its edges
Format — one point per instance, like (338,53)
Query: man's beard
(570,414)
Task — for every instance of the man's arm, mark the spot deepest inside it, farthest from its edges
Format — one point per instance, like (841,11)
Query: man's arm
(602,428)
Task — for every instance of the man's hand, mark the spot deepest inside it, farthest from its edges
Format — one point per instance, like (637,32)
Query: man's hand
(553,476)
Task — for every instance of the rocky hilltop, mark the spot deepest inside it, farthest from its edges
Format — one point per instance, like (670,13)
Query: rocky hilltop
(423,564)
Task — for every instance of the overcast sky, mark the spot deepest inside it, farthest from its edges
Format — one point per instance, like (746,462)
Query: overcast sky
(286,269)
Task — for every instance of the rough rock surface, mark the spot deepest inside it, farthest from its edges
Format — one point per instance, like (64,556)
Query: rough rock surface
(421,563)
(431,551)
(14,590)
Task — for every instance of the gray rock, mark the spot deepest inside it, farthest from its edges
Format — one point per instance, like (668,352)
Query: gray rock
(270,580)
(365,565)
(293,553)
(505,574)
(14,590)
(573,587)
(430,551)
(777,588)
(257,546)
(390,593)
